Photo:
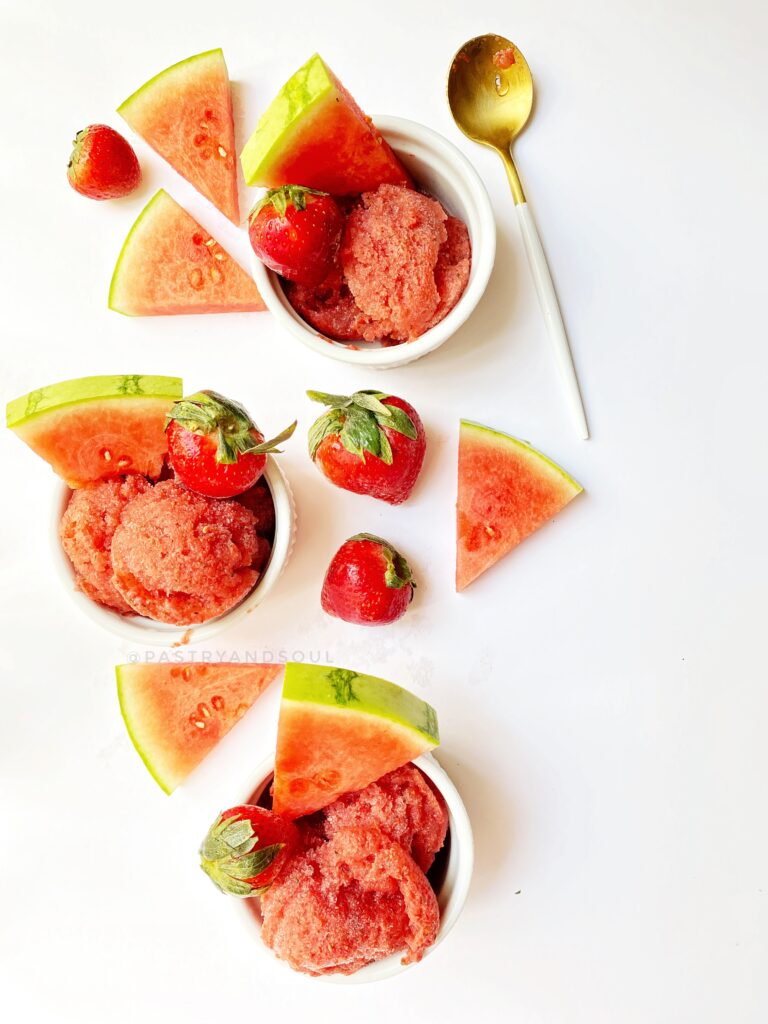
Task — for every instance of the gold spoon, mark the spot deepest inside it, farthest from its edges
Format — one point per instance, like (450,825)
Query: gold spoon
(490,93)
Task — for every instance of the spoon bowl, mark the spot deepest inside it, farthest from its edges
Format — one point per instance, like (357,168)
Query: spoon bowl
(490,90)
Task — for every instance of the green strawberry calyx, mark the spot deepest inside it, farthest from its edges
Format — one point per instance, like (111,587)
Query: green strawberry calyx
(231,859)
(359,420)
(77,145)
(208,412)
(283,197)
(397,573)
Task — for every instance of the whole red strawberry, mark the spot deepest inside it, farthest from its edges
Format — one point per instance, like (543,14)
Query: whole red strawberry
(246,849)
(369,443)
(102,165)
(368,582)
(297,232)
(214,447)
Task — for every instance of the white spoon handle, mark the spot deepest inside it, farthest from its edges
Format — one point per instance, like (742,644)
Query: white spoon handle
(550,307)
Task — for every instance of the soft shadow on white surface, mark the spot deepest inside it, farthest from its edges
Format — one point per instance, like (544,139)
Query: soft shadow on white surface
(603,687)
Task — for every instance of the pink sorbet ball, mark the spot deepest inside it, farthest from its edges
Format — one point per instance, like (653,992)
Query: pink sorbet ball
(405,265)
(344,903)
(392,245)
(403,805)
(86,531)
(182,558)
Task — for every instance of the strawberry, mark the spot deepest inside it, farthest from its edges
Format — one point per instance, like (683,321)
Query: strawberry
(297,232)
(370,443)
(102,165)
(246,849)
(214,447)
(368,582)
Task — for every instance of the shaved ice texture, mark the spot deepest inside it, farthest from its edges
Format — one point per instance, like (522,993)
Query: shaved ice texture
(405,264)
(403,805)
(86,531)
(342,904)
(356,891)
(331,309)
(182,558)
(258,499)
(389,255)
(452,269)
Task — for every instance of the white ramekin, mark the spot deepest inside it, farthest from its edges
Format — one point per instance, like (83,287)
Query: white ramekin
(140,630)
(440,168)
(451,894)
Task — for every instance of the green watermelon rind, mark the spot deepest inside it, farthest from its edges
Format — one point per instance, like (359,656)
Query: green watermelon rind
(120,387)
(122,699)
(332,687)
(303,91)
(126,104)
(526,447)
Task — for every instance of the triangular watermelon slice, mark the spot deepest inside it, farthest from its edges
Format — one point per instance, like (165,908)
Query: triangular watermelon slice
(185,114)
(507,490)
(339,731)
(176,714)
(93,428)
(169,264)
(314,134)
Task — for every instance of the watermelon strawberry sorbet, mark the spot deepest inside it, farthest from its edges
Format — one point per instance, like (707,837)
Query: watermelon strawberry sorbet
(356,890)
(86,531)
(182,558)
(404,805)
(404,264)
(166,552)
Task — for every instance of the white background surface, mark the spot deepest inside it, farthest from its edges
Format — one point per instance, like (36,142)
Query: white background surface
(601,693)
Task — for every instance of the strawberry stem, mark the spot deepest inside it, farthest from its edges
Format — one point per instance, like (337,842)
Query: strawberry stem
(283,197)
(397,573)
(359,420)
(231,858)
(208,412)
(270,447)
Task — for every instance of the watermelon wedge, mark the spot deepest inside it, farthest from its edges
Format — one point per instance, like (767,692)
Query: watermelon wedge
(507,490)
(169,265)
(93,428)
(314,134)
(339,731)
(185,114)
(176,714)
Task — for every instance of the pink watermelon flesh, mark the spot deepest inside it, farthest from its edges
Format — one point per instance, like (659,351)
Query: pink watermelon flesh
(506,491)
(339,151)
(185,114)
(169,264)
(339,731)
(102,439)
(94,428)
(331,145)
(176,714)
